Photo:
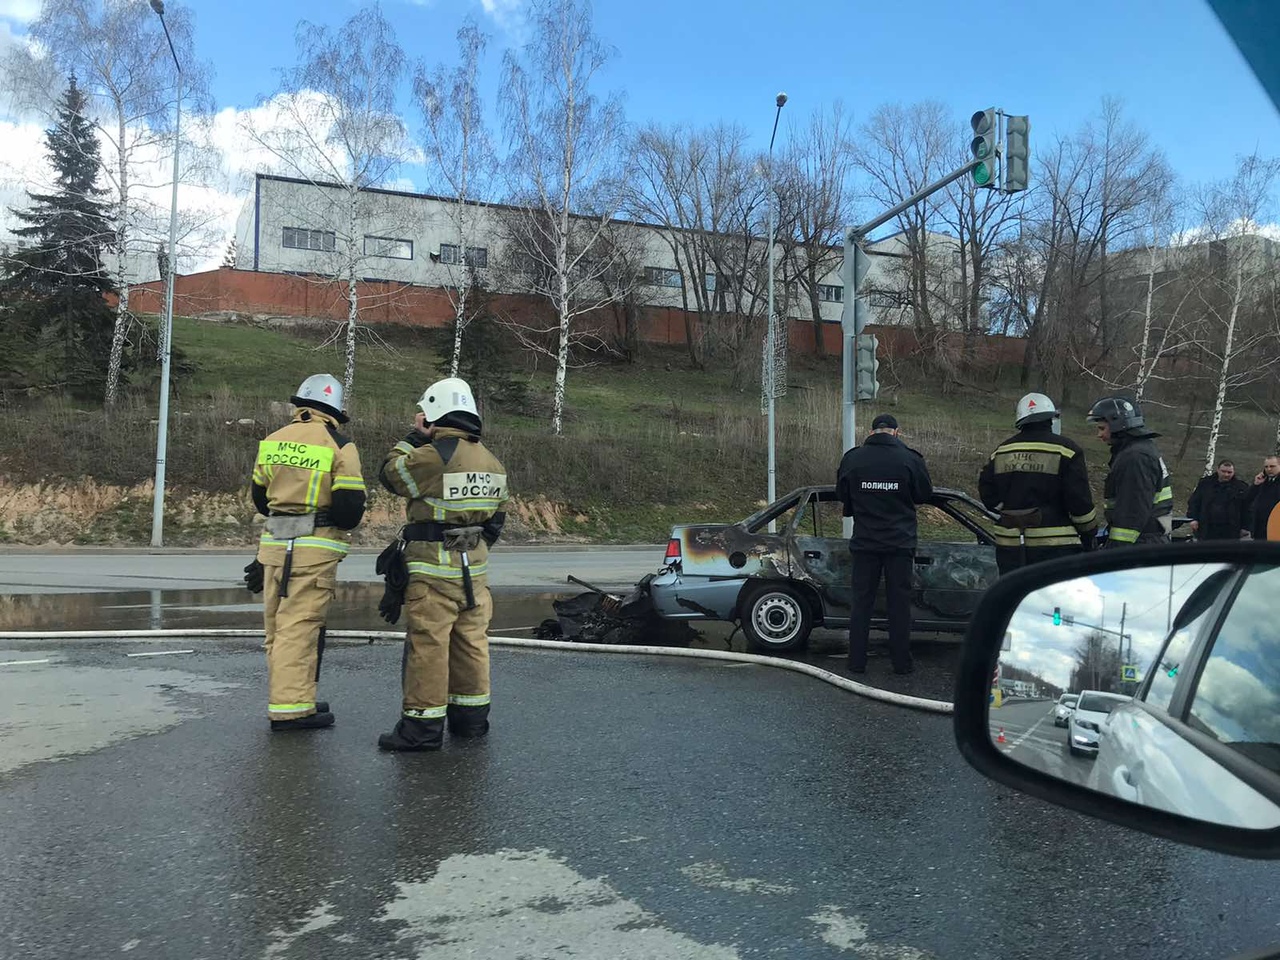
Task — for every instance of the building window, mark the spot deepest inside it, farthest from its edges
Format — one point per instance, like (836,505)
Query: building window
(709,282)
(388,247)
(831,292)
(298,238)
(451,253)
(957,290)
(663,277)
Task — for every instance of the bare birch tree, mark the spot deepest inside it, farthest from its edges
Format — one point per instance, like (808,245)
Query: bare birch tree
(564,144)
(1232,212)
(462,162)
(337,128)
(118,53)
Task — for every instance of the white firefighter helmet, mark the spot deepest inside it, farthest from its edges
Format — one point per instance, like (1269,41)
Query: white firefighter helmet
(320,390)
(1035,408)
(450,395)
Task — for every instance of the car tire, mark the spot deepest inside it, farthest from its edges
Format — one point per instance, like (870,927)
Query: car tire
(777,619)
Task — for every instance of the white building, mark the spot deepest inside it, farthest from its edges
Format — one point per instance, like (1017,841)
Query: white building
(296,226)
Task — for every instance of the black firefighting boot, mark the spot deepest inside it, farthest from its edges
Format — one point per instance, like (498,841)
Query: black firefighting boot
(313,722)
(468,722)
(412,733)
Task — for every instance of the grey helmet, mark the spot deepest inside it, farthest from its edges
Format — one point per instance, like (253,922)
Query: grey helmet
(321,392)
(1118,413)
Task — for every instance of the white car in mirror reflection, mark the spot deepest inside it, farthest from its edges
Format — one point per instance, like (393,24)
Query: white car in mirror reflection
(1062,710)
(1084,729)
(1202,735)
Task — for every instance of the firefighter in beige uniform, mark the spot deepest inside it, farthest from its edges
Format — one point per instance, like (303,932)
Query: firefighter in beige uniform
(456,491)
(307,482)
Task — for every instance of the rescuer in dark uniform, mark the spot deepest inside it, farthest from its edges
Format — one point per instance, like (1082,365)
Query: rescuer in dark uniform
(880,483)
(1038,482)
(1138,488)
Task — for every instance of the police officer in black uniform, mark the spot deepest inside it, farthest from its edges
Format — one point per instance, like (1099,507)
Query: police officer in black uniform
(1038,482)
(880,483)
(1138,488)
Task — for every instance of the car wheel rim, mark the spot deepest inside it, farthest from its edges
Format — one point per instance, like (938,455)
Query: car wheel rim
(776,619)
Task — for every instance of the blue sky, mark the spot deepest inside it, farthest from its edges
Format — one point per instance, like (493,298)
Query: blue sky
(706,60)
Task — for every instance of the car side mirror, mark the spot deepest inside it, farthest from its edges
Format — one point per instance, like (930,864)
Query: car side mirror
(1174,653)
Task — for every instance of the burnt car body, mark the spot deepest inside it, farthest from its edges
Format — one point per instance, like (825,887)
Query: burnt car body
(781,585)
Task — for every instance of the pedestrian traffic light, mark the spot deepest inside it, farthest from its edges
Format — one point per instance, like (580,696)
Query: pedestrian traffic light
(1017,153)
(1057,616)
(866,385)
(983,147)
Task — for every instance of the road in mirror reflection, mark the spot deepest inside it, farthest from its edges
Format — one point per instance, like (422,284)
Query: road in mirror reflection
(1158,685)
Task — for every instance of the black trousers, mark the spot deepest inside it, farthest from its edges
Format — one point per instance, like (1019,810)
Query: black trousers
(1010,558)
(867,569)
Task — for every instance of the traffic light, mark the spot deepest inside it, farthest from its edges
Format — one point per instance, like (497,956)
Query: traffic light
(1017,153)
(1057,616)
(983,147)
(866,386)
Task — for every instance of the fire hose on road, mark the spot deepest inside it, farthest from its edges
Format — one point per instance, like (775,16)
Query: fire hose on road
(370,636)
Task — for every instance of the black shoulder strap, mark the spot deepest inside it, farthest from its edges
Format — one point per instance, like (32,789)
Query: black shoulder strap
(446,447)
(340,439)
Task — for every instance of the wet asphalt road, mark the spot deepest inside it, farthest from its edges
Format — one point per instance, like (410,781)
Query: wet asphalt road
(622,808)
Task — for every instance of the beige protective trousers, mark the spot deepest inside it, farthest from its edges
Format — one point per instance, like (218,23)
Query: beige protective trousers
(446,657)
(292,626)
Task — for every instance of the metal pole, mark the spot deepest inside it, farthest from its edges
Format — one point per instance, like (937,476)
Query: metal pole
(166,335)
(853,319)
(771,336)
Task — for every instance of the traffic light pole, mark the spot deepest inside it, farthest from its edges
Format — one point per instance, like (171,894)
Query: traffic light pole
(856,312)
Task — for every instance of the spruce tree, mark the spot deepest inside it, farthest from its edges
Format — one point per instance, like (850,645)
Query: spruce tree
(54,285)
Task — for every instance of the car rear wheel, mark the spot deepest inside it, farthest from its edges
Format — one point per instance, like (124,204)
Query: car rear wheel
(777,619)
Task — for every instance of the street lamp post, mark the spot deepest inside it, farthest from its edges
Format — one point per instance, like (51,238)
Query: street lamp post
(771,334)
(166,335)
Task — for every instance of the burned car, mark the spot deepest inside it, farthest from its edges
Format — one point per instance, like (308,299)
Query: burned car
(781,585)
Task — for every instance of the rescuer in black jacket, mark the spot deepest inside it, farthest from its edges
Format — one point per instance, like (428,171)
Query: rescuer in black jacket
(1038,482)
(880,483)
(1138,488)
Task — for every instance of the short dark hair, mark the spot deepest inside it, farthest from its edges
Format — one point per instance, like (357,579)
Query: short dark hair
(1225,463)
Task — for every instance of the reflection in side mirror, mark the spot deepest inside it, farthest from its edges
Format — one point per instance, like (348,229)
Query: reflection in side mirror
(1158,685)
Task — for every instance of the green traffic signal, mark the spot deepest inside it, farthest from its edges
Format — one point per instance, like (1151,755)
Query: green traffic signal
(1057,616)
(983,147)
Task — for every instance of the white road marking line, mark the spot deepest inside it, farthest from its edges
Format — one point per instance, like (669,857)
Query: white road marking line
(1009,748)
(158,653)
(18,663)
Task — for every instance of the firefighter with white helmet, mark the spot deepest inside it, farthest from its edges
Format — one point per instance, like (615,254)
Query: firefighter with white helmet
(1138,488)
(456,493)
(1038,482)
(307,482)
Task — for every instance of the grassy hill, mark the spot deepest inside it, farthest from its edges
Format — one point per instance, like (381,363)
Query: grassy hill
(645,445)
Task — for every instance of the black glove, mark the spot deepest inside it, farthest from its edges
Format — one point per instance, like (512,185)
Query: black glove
(393,569)
(253,577)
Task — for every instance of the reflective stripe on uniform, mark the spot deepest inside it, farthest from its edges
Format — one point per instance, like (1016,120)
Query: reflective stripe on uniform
(403,469)
(469,700)
(446,572)
(480,503)
(427,713)
(1035,447)
(313,489)
(1123,535)
(1071,541)
(261,474)
(1035,533)
(1086,519)
(289,707)
(324,543)
(1163,495)
(347,483)
(404,446)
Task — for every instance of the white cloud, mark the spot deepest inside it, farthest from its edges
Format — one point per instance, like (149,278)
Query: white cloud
(508,15)
(23,11)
